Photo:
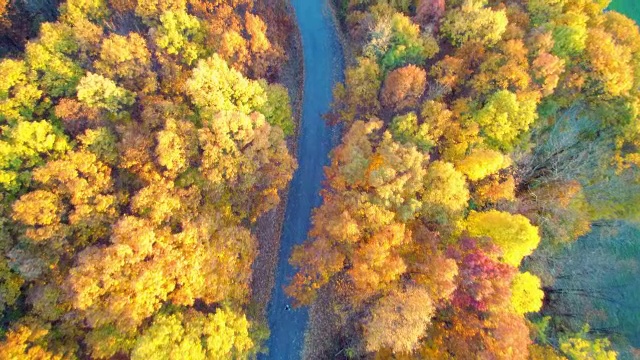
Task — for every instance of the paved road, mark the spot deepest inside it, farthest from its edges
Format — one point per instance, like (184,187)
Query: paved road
(323,65)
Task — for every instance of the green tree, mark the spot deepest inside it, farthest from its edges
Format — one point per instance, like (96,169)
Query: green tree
(50,60)
(358,96)
(277,108)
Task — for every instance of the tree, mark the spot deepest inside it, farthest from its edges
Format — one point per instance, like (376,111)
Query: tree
(611,66)
(195,335)
(445,194)
(507,67)
(504,117)
(579,346)
(176,147)
(151,11)
(408,45)
(377,264)
(277,108)
(544,11)
(430,11)
(127,60)
(403,87)
(570,34)
(478,322)
(19,98)
(74,10)
(214,87)
(526,295)
(547,69)
(99,92)
(358,96)
(245,160)
(257,31)
(179,34)
(26,146)
(50,60)
(76,204)
(101,284)
(405,129)
(25,342)
(398,320)
(471,22)
(514,234)
(481,163)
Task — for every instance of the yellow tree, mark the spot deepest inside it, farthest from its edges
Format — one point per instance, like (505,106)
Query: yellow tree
(473,22)
(514,234)
(481,163)
(398,320)
(358,96)
(245,160)
(526,293)
(76,202)
(194,335)
(505,116)
(214,87)
(127,60)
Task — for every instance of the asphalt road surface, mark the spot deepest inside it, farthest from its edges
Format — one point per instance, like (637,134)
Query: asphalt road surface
(323,64)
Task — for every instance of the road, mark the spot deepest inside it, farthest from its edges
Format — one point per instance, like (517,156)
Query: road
(323,64)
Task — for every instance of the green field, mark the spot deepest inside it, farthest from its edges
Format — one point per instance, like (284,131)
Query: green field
(631,8)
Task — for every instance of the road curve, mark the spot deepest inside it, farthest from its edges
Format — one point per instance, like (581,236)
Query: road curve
(323,64)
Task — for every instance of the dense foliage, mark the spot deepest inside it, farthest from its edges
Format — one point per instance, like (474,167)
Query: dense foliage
(140,142)
(477,133)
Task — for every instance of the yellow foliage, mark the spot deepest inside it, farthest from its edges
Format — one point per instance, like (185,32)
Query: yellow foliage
(526,293)
(21,344)
(37,208)
(482,163)
(514,234)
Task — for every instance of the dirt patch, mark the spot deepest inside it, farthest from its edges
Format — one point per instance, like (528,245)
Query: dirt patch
(268,228)
(321,340)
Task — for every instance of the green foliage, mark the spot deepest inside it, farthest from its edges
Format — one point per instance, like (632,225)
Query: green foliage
(405,129)
(543,11)
(50,60)
(358,96)
(407,45)
(570,34)
(277,108)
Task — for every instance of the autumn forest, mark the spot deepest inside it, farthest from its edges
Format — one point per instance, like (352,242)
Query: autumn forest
(481,201)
